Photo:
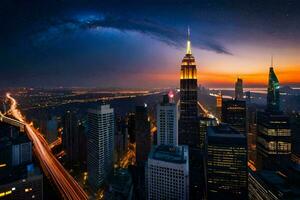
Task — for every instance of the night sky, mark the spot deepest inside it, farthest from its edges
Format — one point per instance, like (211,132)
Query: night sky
(140,44)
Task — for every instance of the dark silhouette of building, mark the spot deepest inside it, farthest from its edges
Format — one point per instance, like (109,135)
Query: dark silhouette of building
(234,114)
(295,157)
(142,134)
(19,178)
(226,170)
(121,139)
(143,147)
(273,140)
(74,140)
(239,94)
(130,118)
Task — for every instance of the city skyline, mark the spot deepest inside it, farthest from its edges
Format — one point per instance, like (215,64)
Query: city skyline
(45,41)
(171,99)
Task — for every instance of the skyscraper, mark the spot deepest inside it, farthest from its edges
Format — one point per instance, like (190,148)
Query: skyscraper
(273,131)
(239,94)
(219,100)
(100,147)
(234,114)
(273,101)
(167,173)
(226,154)
(188,123)
(142,134)
(143,147)
(70,137)
(167,122)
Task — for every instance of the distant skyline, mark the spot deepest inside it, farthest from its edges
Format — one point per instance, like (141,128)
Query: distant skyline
(140,44)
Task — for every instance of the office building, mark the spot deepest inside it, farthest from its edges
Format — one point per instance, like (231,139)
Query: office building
(167,122)
(234,114)
(226,158)
(100,144)
(239,94)
(204,123)
(70,137)
(142,134)
(273,141)
(167,173)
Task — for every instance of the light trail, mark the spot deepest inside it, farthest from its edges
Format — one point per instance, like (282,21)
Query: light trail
(129,158)
(65,183)
(57,142)
(207,113)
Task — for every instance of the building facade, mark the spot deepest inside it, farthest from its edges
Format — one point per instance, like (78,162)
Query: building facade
(234,113)
(167,173)
(226,158)
(100,146)
(167,122)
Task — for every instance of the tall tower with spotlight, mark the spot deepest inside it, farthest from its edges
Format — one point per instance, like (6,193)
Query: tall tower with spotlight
(188,126)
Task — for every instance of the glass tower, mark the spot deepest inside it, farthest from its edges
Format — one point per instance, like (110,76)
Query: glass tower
(273,92)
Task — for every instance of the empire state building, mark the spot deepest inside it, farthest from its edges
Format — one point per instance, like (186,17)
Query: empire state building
(188,123)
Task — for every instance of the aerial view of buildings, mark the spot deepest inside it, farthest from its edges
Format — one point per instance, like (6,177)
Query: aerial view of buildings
(150,100)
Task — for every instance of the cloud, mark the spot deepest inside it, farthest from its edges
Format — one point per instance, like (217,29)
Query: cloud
(165,34)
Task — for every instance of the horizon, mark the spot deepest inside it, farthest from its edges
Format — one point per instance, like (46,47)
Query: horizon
(91,44)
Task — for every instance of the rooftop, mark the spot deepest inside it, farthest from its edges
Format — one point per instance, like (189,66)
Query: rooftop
(168,153)
(224,130)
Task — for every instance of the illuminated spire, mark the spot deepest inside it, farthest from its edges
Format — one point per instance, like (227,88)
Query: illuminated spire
(271,60)
(188,44)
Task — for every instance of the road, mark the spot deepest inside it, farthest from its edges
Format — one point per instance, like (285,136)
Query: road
(206,112)
(65,183)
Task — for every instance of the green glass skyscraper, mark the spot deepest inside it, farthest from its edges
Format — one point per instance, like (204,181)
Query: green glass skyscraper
(273,100)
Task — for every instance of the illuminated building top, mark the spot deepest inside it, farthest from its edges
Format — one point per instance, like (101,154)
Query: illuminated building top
(188,65)
(273,102)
